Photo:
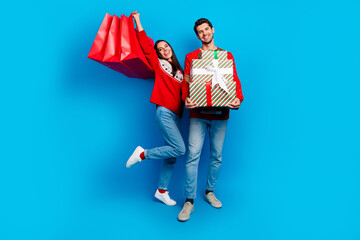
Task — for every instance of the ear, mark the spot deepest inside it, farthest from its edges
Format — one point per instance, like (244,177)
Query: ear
(213,30)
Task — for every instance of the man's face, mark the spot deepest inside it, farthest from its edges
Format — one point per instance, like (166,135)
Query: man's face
(205,33)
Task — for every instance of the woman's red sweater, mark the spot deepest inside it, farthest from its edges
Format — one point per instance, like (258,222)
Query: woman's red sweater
(167,89)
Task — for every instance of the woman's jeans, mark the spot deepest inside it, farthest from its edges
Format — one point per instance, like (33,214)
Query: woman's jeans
(197,130)
(169,124)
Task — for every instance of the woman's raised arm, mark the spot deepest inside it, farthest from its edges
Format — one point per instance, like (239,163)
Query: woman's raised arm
(137,21)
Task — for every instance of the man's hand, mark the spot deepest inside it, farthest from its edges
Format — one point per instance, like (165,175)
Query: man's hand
(189,104)
(234,104)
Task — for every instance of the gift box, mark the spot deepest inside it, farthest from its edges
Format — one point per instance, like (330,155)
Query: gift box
(212,83)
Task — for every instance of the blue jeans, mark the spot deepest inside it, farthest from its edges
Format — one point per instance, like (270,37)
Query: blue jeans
(169,124)
(197,130)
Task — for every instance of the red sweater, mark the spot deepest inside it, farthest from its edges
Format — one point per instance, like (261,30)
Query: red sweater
(185,92)
(167,89)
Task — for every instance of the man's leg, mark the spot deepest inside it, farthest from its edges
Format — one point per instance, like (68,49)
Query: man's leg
(216,137)
(197,131)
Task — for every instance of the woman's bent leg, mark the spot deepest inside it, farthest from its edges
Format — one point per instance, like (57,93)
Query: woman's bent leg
(169,124)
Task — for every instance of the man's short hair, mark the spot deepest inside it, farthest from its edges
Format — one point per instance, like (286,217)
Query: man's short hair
(201,21)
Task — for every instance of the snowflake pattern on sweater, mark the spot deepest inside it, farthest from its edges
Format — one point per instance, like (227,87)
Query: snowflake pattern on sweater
(168,68)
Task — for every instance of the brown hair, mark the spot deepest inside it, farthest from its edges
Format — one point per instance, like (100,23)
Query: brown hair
(201,21)
(174,62)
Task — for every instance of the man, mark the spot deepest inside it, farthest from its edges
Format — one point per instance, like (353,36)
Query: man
(210,119)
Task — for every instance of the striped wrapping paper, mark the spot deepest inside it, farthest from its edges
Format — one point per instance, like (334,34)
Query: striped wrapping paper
(200,89)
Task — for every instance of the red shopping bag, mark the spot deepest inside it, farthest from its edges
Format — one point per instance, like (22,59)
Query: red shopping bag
(116,46)
(131,52)
(106,46)
(97,49)
(112,51)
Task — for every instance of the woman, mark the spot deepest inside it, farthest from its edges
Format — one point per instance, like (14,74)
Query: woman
(166,95)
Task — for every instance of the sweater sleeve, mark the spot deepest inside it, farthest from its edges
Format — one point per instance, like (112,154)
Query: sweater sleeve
(236,79)
(148,50)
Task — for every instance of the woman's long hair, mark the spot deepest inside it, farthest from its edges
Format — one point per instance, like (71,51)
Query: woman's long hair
(174,62)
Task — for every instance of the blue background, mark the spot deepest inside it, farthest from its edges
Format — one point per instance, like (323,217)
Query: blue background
(68,124)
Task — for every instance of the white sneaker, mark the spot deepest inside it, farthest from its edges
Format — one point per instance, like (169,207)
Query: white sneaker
(135,157)
(165,198)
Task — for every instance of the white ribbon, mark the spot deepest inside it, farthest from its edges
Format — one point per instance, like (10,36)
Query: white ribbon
(216,72)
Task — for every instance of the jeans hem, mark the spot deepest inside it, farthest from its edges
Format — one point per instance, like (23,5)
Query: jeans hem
(145,153)
(190,197)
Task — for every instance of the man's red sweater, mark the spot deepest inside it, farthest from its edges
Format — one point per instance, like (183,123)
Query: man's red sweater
(185,91)
(167,89)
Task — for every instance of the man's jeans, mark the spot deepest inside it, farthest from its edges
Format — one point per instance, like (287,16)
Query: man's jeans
(197,131)
(169,124)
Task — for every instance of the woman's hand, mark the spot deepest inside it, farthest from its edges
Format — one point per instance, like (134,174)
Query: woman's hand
(189,104)
(136,16)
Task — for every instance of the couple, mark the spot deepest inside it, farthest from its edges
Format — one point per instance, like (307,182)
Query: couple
(171,86)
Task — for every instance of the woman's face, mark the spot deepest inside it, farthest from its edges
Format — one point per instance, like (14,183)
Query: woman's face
(164,50)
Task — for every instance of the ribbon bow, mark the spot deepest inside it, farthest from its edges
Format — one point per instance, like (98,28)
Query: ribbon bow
(218,75)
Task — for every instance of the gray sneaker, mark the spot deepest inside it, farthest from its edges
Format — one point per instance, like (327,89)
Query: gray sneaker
(210,197)
(184,215)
